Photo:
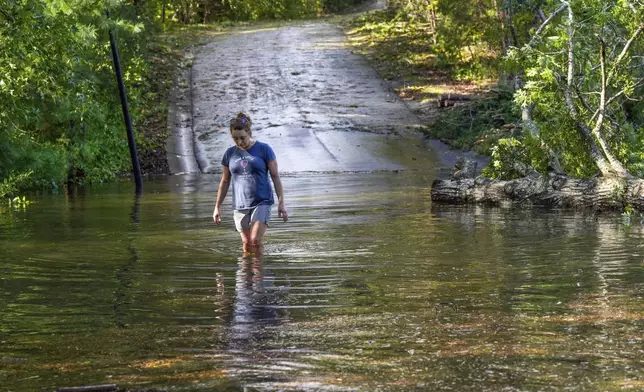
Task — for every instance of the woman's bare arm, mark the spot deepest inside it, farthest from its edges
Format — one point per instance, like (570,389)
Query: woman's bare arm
(279,189)
(221,194)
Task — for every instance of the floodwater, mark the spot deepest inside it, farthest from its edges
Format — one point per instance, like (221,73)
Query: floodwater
(369,287)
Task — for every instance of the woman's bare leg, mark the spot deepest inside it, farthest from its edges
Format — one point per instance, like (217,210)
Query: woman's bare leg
(247,244)
(257,231)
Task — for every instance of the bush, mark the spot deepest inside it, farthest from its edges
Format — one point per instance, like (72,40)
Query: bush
(512,158)
(477,125)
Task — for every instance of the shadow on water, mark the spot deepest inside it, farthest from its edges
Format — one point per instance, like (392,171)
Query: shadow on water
(370,286)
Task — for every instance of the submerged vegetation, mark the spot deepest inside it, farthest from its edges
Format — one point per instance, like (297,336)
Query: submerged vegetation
(567,78)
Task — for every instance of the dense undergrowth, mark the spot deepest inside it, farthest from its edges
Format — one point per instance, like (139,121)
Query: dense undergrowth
(552,86)
(477,125)
(401,50)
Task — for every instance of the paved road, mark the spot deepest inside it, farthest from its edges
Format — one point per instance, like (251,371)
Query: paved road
(320,106)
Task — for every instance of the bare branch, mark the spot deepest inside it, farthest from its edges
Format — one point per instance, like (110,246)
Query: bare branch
(526,117)
(582,100)
(640,65)
(546,23)
(7,15)
(617,95)
(608,102)
(602,98)
(601,157)
(624,51)
(571,51)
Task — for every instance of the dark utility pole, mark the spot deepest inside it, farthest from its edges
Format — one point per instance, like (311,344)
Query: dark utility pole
(126,113)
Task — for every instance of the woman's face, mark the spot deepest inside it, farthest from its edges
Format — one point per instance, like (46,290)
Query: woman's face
(241,138)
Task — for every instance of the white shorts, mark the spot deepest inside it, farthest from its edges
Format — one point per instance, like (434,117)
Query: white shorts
(244,219)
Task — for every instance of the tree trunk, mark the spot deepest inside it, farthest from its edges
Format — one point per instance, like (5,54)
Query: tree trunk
(599,152)
(432,20)
(553,190)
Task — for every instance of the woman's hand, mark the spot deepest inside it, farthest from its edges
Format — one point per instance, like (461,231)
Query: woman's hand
(216,216)
(281,212)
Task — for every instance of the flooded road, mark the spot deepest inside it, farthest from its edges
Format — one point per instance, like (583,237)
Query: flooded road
(321,107)
(369,287)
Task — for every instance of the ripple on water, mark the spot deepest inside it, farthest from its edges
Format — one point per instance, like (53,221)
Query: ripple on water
(369,287)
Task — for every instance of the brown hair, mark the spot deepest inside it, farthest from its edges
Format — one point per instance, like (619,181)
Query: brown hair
(242,121)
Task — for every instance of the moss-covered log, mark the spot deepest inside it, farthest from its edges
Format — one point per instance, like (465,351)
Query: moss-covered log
(554,190)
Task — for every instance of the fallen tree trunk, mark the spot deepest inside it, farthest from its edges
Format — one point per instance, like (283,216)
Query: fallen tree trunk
(447,100)
(553,190)
(90,388)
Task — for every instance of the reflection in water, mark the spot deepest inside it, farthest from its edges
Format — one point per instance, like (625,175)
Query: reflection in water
(258,308)
(369,287)
(256,299)
(123,274)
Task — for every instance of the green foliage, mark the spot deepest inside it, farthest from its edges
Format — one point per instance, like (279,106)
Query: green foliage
(11,183)
(511,158)
(468,39)
(545,67)
(465,36)
(477,125)
(505,155)
(628,211)
(205,11)
(19,202)
(26,164)
(60,114)
(340,5)
(398,48)
(273,9)
(59,110)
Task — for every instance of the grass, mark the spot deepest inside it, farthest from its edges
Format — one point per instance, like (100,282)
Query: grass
(403,54)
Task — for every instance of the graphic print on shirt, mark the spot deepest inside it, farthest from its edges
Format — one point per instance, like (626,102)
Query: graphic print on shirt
(244,162)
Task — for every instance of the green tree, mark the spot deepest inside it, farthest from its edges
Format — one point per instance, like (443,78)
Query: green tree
(581,82)
(59,112)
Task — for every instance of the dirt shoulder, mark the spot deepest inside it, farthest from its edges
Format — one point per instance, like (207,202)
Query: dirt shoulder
(403,60)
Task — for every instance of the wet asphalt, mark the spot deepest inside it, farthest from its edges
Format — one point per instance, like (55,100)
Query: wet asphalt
(319,105)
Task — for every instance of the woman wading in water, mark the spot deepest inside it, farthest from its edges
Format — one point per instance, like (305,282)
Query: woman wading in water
(248,164)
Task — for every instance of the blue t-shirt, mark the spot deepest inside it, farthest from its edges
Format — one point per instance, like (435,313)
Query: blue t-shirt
(249,171)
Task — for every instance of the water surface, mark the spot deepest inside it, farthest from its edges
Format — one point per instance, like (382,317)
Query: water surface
(368,287)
